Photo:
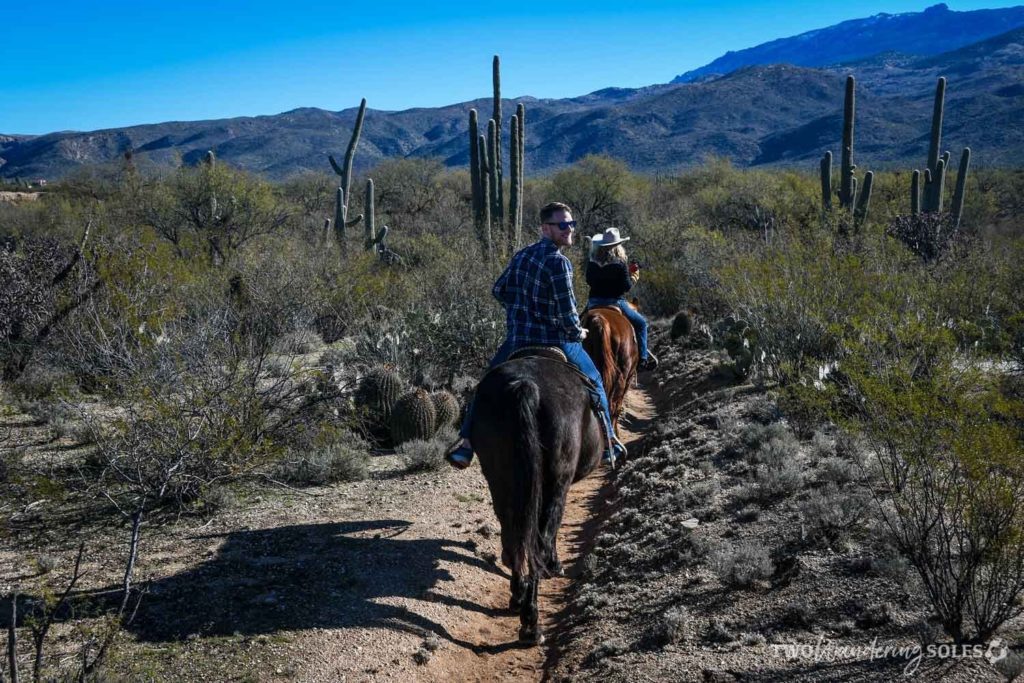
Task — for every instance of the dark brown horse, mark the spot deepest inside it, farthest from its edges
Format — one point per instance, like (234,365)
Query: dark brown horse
(535,434)
(611,344)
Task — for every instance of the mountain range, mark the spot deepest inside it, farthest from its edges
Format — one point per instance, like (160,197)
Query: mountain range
(775,104)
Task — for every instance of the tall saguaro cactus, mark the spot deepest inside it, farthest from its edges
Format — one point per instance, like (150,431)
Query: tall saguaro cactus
(514,185)
(846,179)
(848,198)
(497,201)
(498,224)
(345,189)
(494,176)
(474,169)
(484,233)
(930,198)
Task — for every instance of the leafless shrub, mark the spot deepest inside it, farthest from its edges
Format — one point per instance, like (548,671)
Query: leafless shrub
(831,515)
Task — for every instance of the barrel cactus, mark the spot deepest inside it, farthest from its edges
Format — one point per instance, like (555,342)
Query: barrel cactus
(447,408)
(378,392)
(682,324)
(413,417)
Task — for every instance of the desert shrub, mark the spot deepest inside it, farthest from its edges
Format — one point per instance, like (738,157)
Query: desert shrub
(831,515)
(333,463)
(950,452)
(672,627)
(742,564)
(299,342)
(928,235)
(425,455)
(777,480)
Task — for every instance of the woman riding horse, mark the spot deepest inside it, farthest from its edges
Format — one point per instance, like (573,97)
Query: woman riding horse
(610,278)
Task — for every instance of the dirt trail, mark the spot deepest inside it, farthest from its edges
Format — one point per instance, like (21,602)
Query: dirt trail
(497,656)
(392,578)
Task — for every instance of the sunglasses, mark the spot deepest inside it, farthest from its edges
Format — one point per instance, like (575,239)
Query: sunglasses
(564,225)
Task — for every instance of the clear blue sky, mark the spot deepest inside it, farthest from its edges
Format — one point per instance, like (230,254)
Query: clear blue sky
(90,64)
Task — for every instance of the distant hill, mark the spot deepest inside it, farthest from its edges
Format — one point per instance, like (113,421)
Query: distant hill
(764,115)
(934,31)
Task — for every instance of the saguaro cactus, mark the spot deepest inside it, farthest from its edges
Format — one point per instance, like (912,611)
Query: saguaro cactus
(474,169)
(515,185)
(930,199)
(848,198)
(957,209)
(485,196)
(369,223)
(826,182)
(846,179)
(341,210)
(498,200)
(521,115)
(494,176)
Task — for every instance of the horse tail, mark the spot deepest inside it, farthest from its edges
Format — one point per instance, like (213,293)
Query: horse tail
(528,470)
(606,363)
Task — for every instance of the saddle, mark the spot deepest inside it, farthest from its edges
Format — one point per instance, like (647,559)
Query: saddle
(552,353)
(617,309)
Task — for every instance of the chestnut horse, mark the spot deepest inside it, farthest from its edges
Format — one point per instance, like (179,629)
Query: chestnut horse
(611,344)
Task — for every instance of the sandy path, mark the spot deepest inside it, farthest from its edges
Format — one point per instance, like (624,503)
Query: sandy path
(497,657)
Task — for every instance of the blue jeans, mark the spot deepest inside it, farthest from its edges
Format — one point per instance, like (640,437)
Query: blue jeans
(639,322)
(575,354)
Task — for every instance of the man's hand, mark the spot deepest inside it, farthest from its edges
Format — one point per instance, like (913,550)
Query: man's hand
(583,333)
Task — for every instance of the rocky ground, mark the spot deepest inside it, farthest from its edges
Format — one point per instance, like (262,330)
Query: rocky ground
(783,577)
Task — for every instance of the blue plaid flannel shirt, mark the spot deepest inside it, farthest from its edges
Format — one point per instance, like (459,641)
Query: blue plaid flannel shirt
(536,291)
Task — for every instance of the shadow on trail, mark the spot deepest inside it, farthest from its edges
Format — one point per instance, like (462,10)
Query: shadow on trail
(306,576)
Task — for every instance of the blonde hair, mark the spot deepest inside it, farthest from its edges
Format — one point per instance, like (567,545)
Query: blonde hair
(613,254)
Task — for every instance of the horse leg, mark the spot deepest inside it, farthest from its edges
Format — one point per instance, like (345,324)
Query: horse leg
(518,581)
(529,626)
(549,531)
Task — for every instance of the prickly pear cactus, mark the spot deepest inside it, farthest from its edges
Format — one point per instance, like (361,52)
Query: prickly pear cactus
(682,324)
(447,408)
(413,417)
(378,392)
(740,342)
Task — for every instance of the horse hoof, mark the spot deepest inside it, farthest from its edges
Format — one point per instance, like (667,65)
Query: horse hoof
(531,636)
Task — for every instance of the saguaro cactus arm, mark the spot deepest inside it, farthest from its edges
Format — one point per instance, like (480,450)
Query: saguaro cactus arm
(957,208)
(826,181)
(346,171)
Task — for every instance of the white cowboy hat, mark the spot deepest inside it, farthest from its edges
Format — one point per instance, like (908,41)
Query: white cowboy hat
(609,238)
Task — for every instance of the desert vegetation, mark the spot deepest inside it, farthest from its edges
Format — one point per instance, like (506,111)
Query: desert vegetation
(190,337)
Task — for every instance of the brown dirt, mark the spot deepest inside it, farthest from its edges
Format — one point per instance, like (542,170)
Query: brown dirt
(391,578)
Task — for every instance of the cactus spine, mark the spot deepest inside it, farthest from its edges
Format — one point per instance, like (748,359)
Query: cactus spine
(341,209)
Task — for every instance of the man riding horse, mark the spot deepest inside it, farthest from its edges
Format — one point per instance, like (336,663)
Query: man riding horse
(536,290)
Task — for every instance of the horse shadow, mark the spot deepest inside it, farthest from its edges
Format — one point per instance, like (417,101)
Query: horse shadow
(332,575)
